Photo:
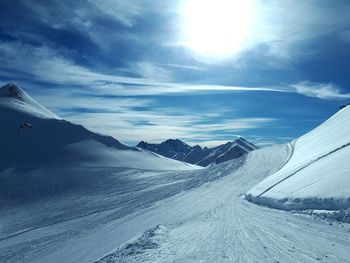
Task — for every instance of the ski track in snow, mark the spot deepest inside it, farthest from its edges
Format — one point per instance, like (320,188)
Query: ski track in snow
(193,216)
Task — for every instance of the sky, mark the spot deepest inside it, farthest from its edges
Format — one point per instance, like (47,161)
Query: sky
(203,71)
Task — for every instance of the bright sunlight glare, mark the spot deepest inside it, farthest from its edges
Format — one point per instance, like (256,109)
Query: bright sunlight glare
(216,27)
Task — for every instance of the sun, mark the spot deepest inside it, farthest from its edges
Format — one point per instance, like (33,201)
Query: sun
(216,27)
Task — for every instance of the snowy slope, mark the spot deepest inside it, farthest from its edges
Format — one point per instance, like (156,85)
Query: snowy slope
(123,215)
(317,176)
(31,135)
(17,99)
(179,150)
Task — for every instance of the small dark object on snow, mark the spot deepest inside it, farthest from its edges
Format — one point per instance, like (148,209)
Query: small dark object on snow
(26,125)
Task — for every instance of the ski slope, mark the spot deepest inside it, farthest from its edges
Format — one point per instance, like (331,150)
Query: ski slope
(317,176)
(133,215)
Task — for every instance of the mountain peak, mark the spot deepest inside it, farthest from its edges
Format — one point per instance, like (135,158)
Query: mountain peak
(15,98)
(173,141)
(179,150)
(11,90)
(177,145)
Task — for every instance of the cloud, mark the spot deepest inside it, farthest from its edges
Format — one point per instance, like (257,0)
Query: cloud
(182,66)
(325,91)
(53,68)
(62,14)
(158,125)
(139,118)
(123,11)
(151,71)
(287,26)
(46,64)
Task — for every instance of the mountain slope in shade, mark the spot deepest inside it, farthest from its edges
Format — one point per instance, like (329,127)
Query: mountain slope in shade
(32,135)
(179,150)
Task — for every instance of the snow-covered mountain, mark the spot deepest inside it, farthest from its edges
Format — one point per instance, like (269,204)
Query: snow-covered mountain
(32,135)
(317,175)
(181,151)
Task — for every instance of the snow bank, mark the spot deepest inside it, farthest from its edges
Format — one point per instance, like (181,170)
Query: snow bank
(317,175)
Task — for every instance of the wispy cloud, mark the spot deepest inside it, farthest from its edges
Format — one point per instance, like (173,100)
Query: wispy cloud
(326,91)
(285,26)
(52,67)
(151,71)
(182,66)
(155,126)
(123,11)
(135,119)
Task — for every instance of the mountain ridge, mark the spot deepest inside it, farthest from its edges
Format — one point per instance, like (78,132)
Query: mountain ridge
(179,150)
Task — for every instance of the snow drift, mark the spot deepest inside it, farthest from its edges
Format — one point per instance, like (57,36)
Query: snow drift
(317,175)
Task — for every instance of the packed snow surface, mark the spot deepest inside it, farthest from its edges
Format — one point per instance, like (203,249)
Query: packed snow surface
(317,175)
(128,215)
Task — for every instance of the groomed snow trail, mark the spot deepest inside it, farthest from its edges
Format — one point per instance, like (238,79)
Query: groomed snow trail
(198,216)
(231,229)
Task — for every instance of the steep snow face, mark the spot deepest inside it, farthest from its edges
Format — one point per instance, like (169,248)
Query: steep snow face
(317,176)
(31,135)
(179,150)
(14,97)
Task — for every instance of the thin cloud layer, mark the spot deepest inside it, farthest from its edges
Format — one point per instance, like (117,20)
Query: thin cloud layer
(326,91)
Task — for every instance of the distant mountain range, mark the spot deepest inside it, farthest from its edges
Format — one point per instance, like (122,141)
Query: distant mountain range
(178,150)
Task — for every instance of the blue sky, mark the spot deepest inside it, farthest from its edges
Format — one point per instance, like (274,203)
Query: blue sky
(126,68)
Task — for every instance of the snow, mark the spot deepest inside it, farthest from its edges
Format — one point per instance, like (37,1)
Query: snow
(129,215)
(114,203)
(17,99)
(317,173)
(106,156)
